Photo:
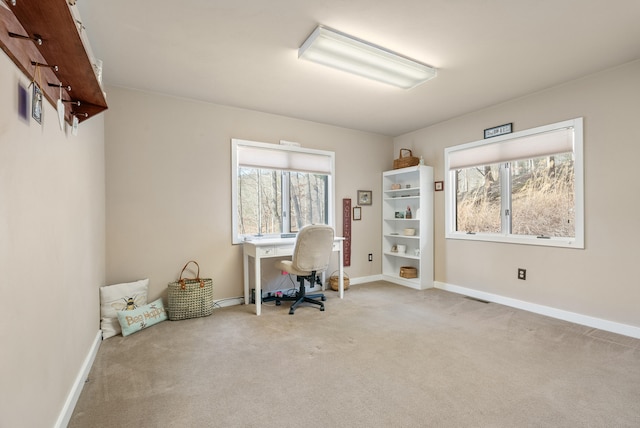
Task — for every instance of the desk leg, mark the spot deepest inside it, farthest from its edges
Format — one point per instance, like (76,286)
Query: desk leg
(341,274)
(258,295)
(245,260)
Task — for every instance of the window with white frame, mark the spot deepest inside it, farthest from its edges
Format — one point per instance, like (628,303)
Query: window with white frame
(525,187)
(277,189)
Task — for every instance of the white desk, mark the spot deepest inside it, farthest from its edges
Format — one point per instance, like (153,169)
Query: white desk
(268,248)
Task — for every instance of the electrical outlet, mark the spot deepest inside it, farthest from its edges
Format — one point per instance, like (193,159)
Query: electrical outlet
(370,257)
(522,274)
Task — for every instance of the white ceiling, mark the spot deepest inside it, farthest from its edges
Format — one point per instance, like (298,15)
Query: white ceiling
(243,53)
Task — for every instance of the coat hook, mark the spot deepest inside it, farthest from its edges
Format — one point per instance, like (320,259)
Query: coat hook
(38,64)
(36,37)
(80,25)
(60,85)
(73,113)
(72,101)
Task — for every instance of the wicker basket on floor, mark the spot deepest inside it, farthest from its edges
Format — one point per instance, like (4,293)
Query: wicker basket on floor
(334,281)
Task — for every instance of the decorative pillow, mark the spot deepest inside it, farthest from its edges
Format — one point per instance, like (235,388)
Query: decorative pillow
(143,317)
(119,297)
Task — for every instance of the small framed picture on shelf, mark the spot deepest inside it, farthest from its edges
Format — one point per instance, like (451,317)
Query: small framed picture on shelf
(364,197)
(357,213)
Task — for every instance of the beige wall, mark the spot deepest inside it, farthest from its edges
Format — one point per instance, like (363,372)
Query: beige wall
(168,200)
(168,168)
(52,241)
(600,281)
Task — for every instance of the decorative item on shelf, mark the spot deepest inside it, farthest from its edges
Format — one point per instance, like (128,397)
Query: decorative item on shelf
(396,186)
(408,213)
(394,248)
(399,214)
(406,159)
(402,248)
(409,231)
(97,67)
(408,272)
(421,162)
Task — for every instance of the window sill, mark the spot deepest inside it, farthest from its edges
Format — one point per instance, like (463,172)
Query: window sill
(575,243)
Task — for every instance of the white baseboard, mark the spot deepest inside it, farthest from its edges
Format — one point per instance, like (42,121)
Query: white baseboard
(76,389)
(363,279)
(589,321)
(229,301)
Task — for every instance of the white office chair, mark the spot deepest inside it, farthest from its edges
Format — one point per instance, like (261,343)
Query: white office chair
(311,256)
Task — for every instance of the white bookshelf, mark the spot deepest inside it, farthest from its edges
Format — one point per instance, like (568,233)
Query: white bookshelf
(415,192)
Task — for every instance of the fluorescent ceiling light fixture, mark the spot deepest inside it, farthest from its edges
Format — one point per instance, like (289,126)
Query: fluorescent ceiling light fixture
(338,50)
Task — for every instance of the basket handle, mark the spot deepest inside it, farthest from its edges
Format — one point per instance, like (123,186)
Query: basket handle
(406,150)
(344,274)
(197,278)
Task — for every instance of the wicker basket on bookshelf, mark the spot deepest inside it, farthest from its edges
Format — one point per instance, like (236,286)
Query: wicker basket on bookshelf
(406,159)
(408,272)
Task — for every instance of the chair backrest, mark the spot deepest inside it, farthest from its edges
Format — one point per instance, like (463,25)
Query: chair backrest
(313,248)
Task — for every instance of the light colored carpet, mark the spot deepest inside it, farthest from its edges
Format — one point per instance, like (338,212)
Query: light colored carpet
(385,356)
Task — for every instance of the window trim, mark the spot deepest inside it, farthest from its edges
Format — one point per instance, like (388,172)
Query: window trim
(328,168)
(450,190)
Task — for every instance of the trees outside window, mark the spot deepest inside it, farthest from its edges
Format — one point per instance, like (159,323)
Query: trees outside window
(525,187)
(279,189)
(262,195)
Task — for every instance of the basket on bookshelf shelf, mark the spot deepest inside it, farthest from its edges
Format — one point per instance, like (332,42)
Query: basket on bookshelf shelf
(408,272)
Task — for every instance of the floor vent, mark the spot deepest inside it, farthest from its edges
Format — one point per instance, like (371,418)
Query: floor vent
(476,299)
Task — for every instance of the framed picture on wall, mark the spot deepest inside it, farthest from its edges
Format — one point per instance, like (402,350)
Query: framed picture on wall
(36,104)
(364,197)
(357,213)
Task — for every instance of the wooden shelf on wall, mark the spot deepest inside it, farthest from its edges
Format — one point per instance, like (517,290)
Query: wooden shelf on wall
(53,23)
